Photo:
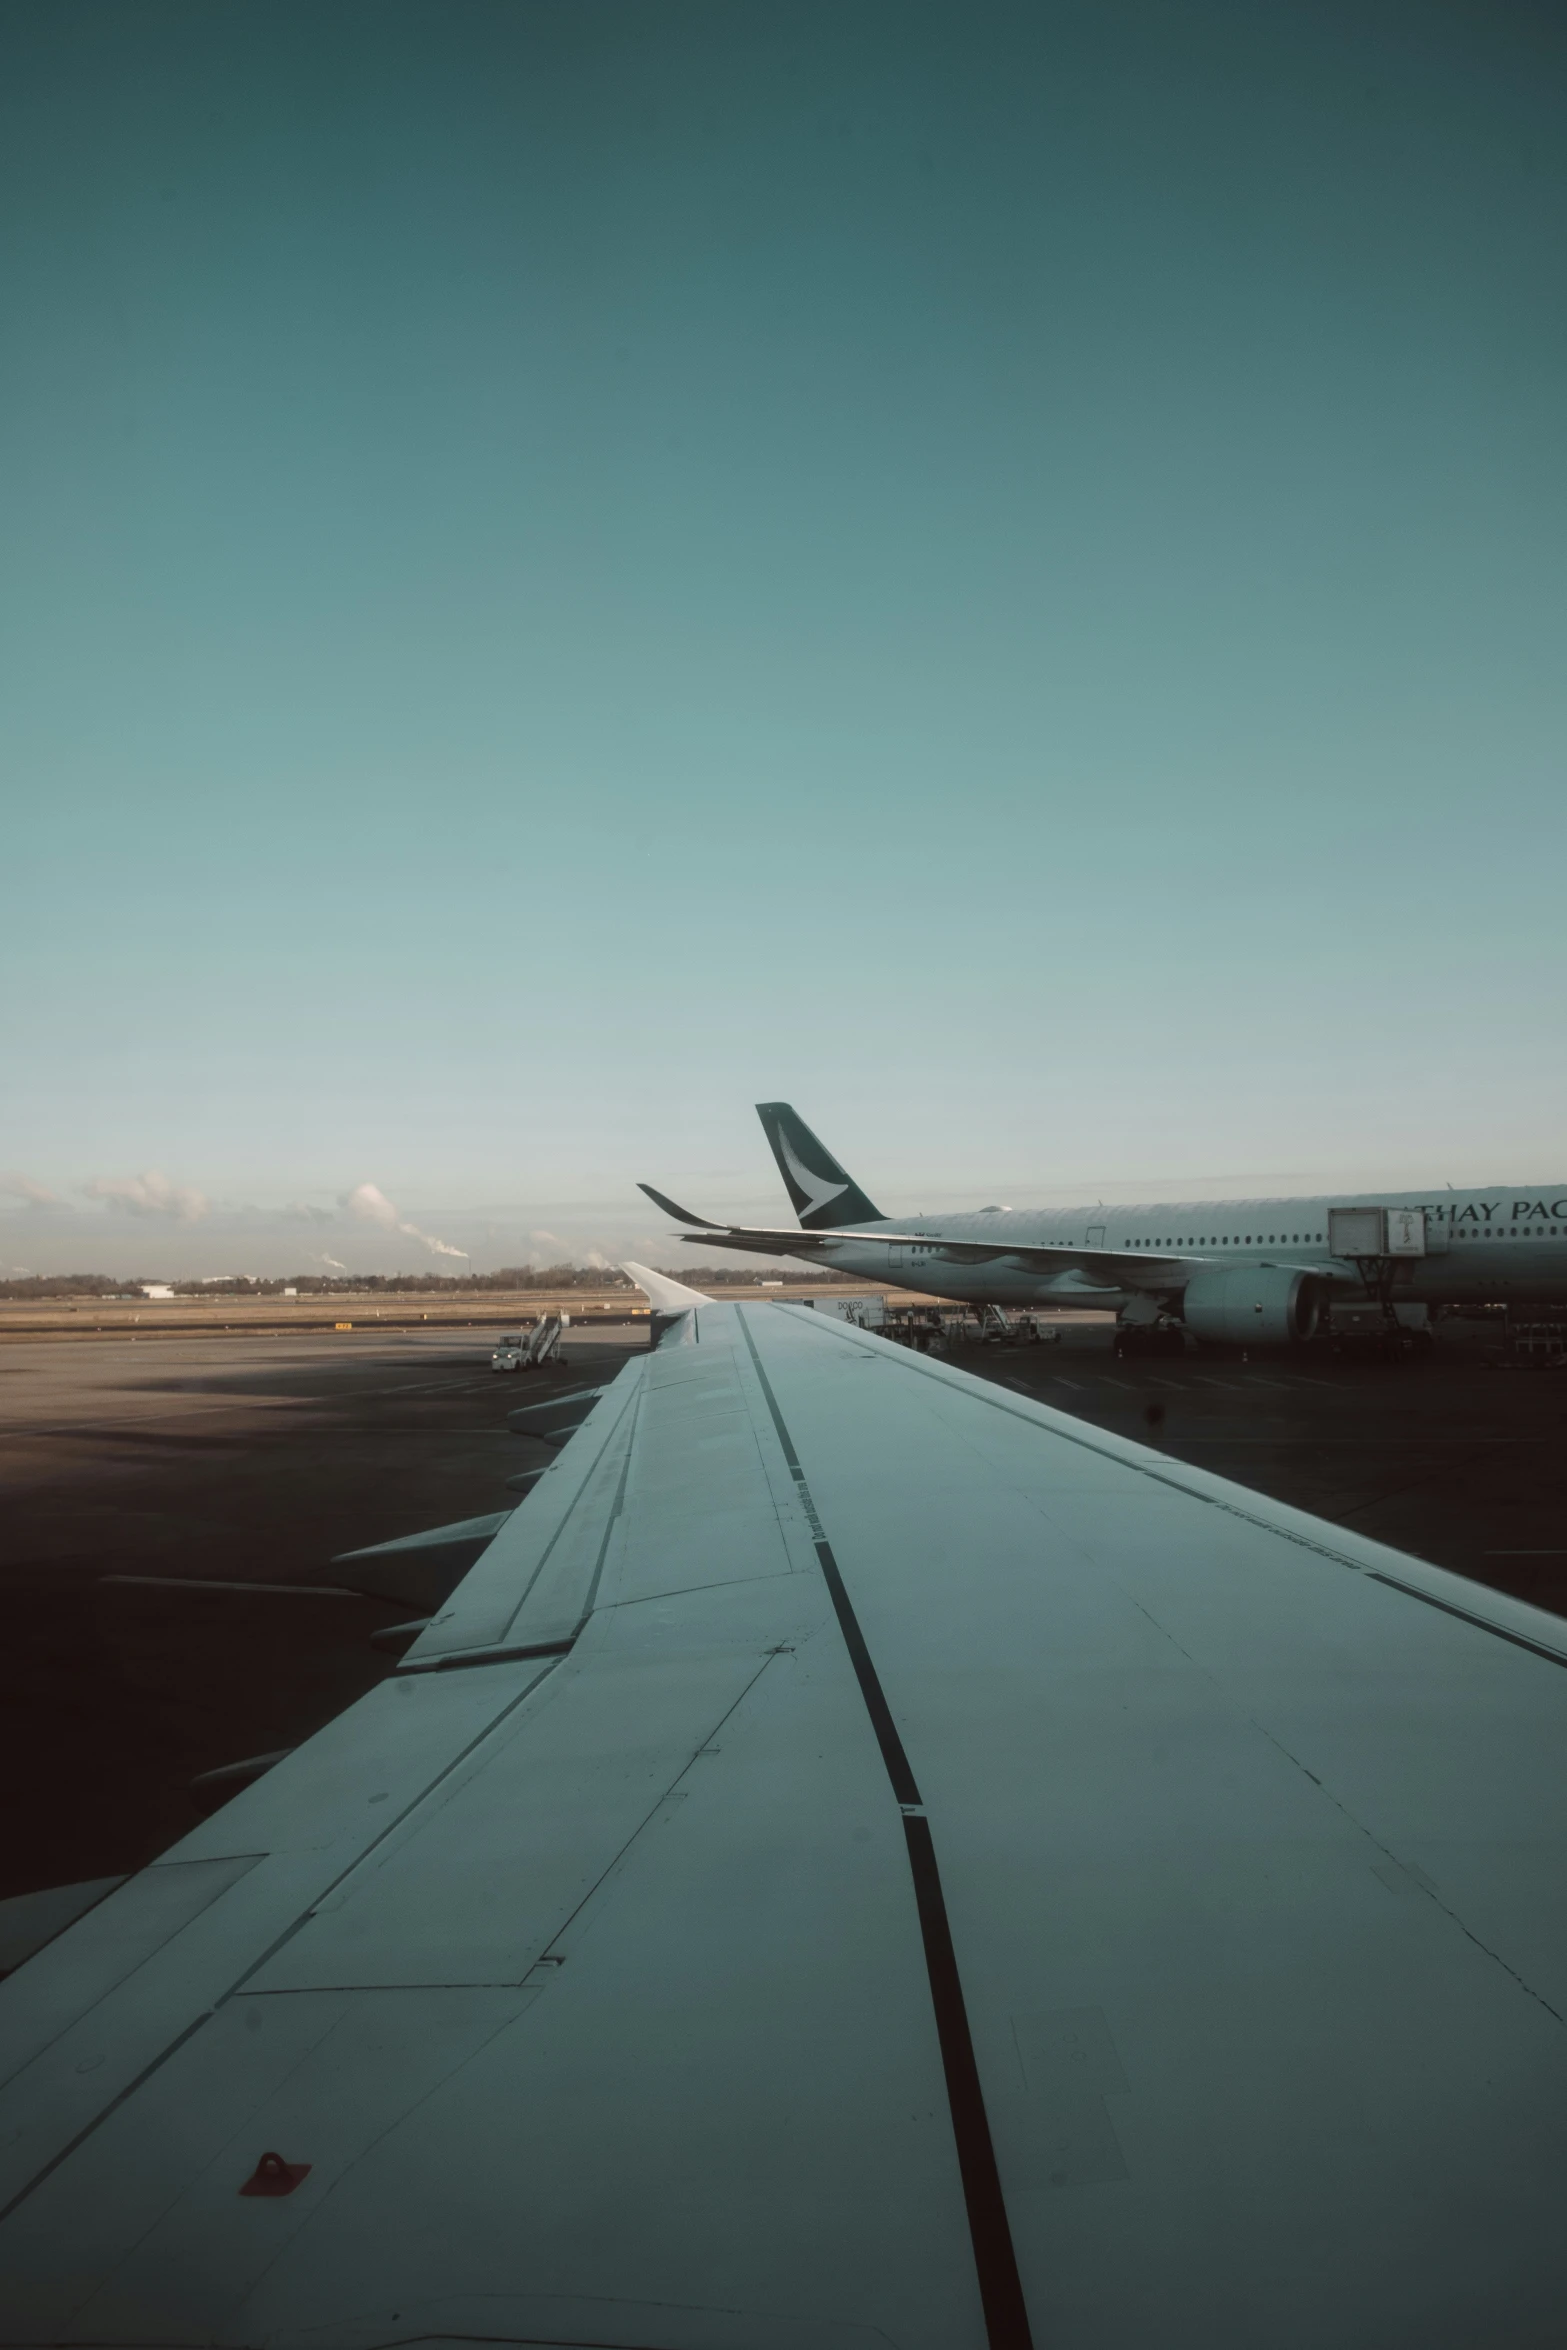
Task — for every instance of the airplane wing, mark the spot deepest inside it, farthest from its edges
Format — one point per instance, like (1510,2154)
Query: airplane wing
(862,1859)
(1111,1264)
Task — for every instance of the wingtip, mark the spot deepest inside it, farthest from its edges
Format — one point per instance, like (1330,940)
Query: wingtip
(668,1297)
(668,1207)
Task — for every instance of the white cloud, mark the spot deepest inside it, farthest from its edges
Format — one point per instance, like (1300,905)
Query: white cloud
(22,1187)
(370,1203)
(303,1211)
(150,1194)
(333,1264)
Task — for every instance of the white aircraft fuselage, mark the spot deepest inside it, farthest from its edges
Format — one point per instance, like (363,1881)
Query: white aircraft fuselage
(1236,1269)
(1489,1244)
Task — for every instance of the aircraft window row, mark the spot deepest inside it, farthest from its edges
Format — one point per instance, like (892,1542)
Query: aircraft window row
(1296,1239)
(1505,1232)
(1234,1240)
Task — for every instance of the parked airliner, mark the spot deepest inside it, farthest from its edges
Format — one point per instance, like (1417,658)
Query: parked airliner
(1229,1270)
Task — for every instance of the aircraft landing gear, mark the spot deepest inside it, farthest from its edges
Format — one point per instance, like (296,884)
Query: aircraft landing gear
(1164,1337)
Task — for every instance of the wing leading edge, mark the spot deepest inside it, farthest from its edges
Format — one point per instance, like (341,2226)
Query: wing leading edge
(861,1858)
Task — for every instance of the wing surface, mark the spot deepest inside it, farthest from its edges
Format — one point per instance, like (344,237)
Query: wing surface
(861,1859)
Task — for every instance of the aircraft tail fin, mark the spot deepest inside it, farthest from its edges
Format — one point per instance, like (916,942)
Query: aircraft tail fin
(824,1195)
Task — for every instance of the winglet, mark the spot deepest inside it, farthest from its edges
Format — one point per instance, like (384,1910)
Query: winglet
(681,1215)
(666,1296)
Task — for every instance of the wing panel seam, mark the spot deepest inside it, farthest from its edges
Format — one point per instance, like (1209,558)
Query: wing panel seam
(990,2232)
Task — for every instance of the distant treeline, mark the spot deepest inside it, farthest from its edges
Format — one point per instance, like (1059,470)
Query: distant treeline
(717,1276)
(322,1284)
(509,1277)
(64,1285)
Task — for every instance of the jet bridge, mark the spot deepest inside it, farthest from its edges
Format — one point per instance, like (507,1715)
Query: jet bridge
(1379,1242)
(1377,1235)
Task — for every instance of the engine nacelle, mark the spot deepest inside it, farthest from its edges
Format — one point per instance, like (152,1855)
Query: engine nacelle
(1270,1305)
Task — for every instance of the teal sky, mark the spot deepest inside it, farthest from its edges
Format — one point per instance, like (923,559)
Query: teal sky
(997,572)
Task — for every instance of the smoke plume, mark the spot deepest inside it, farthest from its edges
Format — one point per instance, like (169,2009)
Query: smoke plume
(372,1206)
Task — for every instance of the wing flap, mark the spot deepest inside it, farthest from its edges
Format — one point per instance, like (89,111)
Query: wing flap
(481,1878)
(534,1583)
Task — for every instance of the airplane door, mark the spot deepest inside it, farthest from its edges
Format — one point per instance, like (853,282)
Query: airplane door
(1096,1236)
(895,1259)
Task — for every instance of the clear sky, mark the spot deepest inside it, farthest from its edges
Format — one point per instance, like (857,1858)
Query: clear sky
(995,571)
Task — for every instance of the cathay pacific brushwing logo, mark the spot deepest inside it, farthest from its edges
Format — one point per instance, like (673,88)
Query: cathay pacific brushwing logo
(818,1191)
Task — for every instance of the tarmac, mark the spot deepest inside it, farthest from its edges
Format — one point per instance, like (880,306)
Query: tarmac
(221,1457)
(218,1313)
(1460,1457)
(256,1457)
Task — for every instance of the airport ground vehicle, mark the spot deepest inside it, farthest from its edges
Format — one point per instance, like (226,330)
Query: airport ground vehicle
(526,1350)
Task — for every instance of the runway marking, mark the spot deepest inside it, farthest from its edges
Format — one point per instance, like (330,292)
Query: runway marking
(203,1404)
(436,1387)
(174,1410)
(97,1426)
(126,1434)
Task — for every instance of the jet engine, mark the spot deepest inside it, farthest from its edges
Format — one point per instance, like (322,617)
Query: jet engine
(1270,1305)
